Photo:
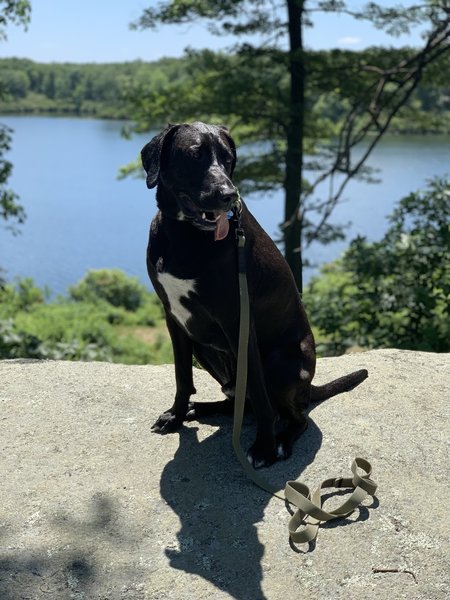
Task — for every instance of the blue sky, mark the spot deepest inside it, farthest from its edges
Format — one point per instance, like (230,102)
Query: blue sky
(98,31)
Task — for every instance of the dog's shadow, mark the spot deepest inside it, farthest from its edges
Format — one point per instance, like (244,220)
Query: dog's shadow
(218,506)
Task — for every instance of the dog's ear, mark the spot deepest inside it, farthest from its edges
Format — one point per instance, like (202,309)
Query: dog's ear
(151,155)
(226,134)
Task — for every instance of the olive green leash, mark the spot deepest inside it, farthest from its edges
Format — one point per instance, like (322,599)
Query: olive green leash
(304,524)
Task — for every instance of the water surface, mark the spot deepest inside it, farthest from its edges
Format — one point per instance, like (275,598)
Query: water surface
(80,217)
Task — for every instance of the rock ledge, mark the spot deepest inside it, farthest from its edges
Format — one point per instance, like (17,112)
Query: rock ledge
(93,506)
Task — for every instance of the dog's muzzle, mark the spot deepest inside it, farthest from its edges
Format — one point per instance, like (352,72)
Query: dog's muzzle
(215,220)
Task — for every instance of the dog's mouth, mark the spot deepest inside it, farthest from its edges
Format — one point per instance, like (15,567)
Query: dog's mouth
(216,221)
(207,220)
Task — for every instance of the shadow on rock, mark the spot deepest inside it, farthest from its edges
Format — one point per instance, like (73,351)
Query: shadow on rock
(36,574)
(69,568)
(219,507)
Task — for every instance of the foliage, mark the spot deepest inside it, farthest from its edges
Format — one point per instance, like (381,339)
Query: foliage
(21,297)
(251,97)
(169,89)
(268,90)
(395,292)
(91,325)
(111,285)
(78,89)
(11,11)
(10,210)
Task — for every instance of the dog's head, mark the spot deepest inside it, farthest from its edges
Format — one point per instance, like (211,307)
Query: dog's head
(194,165)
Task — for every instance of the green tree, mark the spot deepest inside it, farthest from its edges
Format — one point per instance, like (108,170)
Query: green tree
(262,91)
(15,83)
(395,292)
(111,285)
(11,11)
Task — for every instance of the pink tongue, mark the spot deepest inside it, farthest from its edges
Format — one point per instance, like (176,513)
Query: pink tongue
(222,227)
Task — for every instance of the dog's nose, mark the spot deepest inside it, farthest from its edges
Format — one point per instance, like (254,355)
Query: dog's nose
(227,196)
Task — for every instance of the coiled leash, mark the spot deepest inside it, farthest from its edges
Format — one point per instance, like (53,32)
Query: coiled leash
(304,524)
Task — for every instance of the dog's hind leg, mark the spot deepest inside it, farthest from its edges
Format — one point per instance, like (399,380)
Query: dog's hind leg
(289,400)
(288,377)
(263,451)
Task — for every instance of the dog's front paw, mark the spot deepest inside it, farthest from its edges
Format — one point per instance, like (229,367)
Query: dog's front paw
(168,422)
(191,414)
(260,457)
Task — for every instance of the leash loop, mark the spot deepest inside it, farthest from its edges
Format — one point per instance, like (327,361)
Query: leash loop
(310,513)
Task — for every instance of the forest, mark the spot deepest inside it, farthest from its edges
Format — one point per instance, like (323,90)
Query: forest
(95,90)
(106,90)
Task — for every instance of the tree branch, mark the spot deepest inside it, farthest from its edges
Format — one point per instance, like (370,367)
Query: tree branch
(380,105)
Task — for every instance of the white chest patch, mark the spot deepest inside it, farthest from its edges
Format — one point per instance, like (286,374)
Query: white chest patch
(176,289)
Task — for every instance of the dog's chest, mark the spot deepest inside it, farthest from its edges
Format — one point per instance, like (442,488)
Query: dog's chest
(179,292)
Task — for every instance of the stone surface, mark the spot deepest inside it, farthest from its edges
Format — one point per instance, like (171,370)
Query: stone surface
(93,506)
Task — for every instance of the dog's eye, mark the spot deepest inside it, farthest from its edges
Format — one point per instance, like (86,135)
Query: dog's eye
(195,152)
(227,161)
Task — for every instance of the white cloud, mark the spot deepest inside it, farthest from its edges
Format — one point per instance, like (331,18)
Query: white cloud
(349,41)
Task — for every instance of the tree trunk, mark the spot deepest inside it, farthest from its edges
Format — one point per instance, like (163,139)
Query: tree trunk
(294,152)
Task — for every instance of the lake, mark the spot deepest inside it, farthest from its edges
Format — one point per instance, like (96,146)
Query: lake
(80,217)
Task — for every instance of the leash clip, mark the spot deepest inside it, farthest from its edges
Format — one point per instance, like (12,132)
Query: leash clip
(236,208)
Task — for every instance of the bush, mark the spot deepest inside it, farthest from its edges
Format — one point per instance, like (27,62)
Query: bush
(111,285)
(23,295)
(392,293)
(17,344)
(70,331)
(88,328)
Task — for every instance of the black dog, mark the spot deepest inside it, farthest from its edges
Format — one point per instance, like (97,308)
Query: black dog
(191,261)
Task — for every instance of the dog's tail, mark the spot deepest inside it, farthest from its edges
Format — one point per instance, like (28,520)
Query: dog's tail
(337,386)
